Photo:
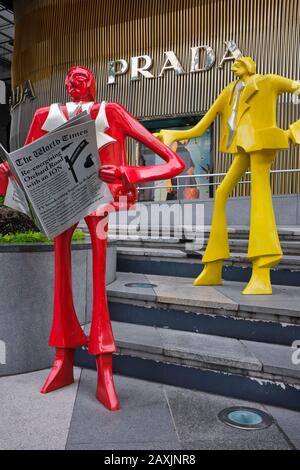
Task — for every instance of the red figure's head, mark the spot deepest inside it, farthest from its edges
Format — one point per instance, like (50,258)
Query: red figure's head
(81,84)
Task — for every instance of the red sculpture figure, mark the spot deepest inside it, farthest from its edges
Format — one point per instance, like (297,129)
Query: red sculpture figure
(113,124)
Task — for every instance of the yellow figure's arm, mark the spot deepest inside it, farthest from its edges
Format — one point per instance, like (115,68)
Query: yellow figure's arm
(285,85)
(169,136)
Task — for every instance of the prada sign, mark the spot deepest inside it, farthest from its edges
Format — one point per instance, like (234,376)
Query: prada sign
(203,58)
(21,93)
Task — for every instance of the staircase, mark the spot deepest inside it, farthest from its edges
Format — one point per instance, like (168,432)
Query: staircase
(210,338)
(138,253)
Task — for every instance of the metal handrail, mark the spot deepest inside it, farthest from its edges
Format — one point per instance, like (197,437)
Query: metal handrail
(210,175)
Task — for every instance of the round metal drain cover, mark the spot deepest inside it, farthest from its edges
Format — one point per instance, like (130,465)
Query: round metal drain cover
(142,285)
(245,418)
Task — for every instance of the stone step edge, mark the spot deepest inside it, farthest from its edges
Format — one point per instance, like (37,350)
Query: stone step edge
(131,240)
(190,256)
(192,234)
(241,312)
(290,231)
(182,358)
(171,241)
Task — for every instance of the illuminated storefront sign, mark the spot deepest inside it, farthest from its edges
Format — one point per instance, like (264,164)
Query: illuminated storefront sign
(203,58)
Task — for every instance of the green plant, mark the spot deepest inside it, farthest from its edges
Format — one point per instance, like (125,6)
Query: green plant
(78,235)
(35,237)
(16,227)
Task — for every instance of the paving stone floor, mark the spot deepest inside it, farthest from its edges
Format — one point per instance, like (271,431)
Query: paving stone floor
(152,416)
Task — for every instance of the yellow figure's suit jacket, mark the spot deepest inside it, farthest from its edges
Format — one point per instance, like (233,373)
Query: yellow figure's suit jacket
(256,121)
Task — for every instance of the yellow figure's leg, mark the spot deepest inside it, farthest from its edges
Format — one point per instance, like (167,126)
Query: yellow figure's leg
(264,246)
(260,282)
(211,274)
(218,247)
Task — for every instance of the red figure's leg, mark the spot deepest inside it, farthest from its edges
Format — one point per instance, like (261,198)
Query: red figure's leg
(101,342)
(106,392)
(62,370)
(66,333)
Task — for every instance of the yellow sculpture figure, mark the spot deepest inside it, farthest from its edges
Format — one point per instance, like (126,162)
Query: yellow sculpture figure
(249,131)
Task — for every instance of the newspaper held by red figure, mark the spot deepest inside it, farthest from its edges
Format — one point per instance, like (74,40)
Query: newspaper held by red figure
(55,179)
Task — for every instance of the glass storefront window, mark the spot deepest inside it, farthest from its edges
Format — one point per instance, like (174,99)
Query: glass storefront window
(194,182)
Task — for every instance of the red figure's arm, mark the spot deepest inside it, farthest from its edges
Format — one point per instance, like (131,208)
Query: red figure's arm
(131,127)
(35,131)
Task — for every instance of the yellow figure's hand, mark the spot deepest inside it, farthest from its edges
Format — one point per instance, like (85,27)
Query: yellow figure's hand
(297,88)
(158,136)
(296,91)
(294,132)
(167,137)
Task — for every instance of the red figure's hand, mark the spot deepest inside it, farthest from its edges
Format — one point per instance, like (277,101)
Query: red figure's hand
(4,169)
(4,172)
(111,173)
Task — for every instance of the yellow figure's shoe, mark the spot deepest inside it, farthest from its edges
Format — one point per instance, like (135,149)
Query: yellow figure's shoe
(260,282)
(211,274)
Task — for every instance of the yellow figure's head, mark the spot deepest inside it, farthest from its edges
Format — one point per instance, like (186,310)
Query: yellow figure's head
(244,66)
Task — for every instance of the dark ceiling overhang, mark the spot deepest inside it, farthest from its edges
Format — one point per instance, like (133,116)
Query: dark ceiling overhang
(8,4)
(6,39)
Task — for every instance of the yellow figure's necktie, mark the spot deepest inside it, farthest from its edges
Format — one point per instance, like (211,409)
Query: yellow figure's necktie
(232,120)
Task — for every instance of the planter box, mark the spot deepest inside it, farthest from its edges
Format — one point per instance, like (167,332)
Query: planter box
(26,301)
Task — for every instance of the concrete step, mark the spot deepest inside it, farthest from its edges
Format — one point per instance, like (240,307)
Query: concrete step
(172,302)
(256,359)
(207,362)
(185,261)
(290,247)
(187,232)
(142,242)
(187,253)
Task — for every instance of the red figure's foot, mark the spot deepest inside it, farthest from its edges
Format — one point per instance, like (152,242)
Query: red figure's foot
(106,392)
(62,371)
